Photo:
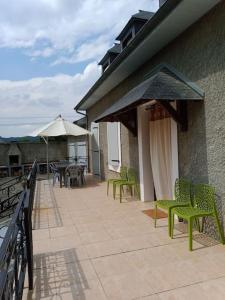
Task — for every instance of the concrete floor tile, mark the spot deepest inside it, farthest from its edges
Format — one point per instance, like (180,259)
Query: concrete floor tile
(62,231)
(127,286)
(94,236)
(41,234)
(105,248)
(112,265)
(89,246)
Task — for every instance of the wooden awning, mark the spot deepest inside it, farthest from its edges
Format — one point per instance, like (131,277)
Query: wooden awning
(164,85)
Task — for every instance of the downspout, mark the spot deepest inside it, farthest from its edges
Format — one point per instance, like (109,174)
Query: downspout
(86,116)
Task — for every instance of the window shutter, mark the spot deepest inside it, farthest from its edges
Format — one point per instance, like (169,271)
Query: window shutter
(113,145)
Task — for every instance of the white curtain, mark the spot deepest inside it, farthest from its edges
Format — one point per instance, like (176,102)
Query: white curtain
(161,157)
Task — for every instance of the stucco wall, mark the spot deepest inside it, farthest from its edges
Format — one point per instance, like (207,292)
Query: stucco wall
(199,54)
(129,146)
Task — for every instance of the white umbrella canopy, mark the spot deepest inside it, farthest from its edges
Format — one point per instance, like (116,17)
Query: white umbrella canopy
(58,127)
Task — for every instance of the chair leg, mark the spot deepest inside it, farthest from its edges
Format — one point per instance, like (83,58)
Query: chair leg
(203,223)
(190,221)
(172,224)
(123,191)
(220,229)
(169,221)
(155,218)
(107,187)
(121,188)
(114,191)
(131,190)
(137,191)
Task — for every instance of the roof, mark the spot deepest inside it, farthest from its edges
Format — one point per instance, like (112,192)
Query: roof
(163,83)
(115,49)
(142,15)
(82,122)
(173,17)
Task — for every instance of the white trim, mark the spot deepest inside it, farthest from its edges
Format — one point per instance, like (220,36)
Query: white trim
(174,148)
(96,125)
(110,167)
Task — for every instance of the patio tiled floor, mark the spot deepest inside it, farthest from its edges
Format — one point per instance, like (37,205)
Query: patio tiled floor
(88,246)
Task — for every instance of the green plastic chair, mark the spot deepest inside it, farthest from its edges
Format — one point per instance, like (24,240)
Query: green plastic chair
(182,192)
(203,206)
(131,182)
(123,177)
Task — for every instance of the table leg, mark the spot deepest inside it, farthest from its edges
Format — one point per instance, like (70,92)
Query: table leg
(60,179)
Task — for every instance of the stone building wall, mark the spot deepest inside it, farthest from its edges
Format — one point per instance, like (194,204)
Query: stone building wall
(32,151)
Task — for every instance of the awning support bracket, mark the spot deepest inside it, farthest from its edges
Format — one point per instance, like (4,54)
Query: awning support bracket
(179,115)
(129,120)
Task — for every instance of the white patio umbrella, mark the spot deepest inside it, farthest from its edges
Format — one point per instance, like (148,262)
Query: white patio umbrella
(59,127)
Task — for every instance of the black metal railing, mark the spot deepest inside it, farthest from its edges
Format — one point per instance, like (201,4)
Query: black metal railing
(10,181)
(8,205)
(8,187)
(16,251)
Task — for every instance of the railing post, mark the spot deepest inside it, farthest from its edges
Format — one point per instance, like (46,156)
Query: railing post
(29,240)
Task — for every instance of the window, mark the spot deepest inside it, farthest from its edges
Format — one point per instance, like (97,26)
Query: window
(128,37)
(114,146)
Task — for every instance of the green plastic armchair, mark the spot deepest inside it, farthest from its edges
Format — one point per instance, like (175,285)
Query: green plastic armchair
(123,177)
(203,206)
(131,183)
(182,192)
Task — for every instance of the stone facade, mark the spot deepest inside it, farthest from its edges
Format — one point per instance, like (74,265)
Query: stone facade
(199,54)
(30,151)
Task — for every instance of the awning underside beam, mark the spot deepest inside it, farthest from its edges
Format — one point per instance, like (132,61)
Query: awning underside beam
(128,119)
(179,115)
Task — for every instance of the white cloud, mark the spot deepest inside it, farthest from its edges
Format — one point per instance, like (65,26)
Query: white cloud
(44,97)
(46,52)
(65,25)
(65,31)
(90,50)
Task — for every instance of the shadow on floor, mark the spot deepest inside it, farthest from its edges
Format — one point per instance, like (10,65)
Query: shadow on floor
(58,275)
(201,238)
(44,207)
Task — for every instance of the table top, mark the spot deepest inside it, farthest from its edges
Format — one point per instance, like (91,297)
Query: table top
(62,165)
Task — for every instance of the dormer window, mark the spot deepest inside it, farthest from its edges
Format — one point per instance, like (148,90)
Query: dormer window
(128,38)
(133,26)
(105,65)
(109,57)
(128,33)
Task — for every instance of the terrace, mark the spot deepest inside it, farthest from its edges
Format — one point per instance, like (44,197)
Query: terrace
(89,246)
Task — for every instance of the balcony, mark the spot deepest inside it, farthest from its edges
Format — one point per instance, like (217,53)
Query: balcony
(89,246)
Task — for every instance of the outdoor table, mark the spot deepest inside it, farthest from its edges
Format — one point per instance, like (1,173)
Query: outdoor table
(62,170)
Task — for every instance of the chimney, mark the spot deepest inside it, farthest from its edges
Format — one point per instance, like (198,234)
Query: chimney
(14,155)
(161,2)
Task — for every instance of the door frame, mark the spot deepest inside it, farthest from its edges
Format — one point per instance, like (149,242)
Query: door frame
(96,125)
(110,167)
(145,168)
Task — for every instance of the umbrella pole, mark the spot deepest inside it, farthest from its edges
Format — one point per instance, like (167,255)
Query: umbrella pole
(47,159)
(46,142)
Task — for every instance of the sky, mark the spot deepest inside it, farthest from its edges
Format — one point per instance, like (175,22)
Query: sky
(49,53)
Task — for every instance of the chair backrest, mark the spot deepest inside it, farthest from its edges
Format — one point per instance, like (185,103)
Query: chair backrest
(182,190)
(73,171)
(131,175)
(53,168)
(204,197)
(123,172)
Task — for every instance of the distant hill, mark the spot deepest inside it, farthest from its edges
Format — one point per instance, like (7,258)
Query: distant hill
(19,139)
